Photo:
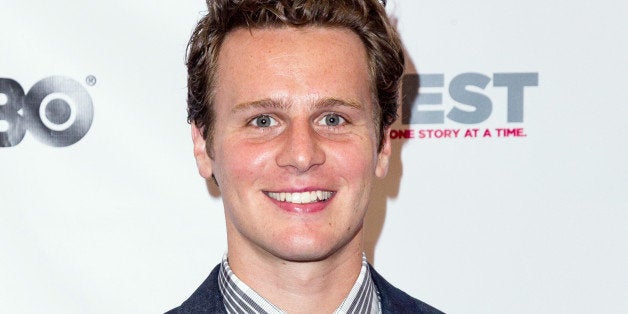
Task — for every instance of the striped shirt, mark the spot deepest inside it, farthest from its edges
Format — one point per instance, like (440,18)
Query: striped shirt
(240,298)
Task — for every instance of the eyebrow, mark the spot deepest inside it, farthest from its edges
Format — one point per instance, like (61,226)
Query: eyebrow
(259,104)
(274,104)
(333,102)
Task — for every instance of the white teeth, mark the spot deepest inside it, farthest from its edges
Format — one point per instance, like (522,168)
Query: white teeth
(301,198)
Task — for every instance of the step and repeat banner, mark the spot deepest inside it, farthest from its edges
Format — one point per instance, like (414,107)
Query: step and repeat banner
(507,192)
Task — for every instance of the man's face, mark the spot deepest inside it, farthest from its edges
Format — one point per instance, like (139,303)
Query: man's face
(295,143)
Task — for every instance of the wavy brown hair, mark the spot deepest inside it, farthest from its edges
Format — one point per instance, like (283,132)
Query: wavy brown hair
(366,18)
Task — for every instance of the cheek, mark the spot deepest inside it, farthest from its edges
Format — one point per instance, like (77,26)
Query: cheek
(352,162)
(236,161)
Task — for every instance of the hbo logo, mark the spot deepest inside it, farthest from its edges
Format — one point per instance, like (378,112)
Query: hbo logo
(57,110)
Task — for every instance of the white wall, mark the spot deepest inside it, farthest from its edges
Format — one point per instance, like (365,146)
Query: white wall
(120,221)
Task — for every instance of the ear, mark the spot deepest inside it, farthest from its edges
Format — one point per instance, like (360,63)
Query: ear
(203,162)
(383,157)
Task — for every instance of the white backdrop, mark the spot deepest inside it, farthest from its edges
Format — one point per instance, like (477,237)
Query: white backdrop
(120,221)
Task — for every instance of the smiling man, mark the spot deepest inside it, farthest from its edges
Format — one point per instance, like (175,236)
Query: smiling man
(290,104)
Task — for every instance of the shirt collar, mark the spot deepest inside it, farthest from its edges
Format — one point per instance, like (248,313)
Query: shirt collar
(240,298)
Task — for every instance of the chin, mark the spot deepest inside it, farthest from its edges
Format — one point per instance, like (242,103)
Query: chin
(307,248)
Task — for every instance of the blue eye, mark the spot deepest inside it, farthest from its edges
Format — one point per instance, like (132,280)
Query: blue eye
(332,119)
(263,121)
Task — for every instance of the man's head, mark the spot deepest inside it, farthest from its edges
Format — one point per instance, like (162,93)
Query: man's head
(366,18)
(291,103)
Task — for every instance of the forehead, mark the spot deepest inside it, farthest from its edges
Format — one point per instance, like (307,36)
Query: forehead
(253,42)
(291,62)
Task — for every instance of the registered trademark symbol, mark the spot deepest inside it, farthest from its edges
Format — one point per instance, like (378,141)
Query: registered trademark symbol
(90,80)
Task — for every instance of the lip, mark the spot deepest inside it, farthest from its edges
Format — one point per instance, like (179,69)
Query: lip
(308,208)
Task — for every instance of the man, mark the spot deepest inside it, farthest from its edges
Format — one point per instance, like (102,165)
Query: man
(290,104)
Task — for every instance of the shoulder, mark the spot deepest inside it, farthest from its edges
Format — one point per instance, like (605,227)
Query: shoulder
(394,300)
(206,298)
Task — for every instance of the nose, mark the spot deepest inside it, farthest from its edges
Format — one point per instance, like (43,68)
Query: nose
(301,149)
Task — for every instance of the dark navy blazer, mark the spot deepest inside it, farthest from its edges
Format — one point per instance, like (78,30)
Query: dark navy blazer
(207,298)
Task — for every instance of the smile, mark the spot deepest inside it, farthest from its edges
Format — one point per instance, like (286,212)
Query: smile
(302,197)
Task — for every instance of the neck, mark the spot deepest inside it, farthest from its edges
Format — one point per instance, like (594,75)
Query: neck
(303,286)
